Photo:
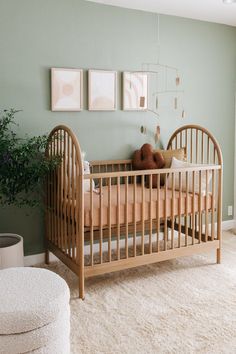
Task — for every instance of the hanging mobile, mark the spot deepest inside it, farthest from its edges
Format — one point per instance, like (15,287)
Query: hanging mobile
(177,80)
(176,103)
(157,102)
(157,134)
(143,129)
(142,102)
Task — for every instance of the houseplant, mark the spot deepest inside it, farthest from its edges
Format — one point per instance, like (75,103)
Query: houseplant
(23,165)
(23,168)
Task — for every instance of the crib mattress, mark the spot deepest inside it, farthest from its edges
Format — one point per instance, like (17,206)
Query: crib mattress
(118,210)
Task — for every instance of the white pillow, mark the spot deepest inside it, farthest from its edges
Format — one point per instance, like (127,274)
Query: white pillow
(86,165)
(175,164)
(86,182)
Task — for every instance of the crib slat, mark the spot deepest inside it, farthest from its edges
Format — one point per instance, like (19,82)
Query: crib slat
(69,196)
(66,195)
(47,204)
(202,152)
(186,210)
(172,209)
(57,176)
(180,207)
(158,213)
(191,146)
(51,202)
(134,212)
(91,222)
(206,208)
(219,214)
(109,219)
(118,218)
(66,231)
(200,207)
(126,217)
(112,170)
(52,184)
(59,189)
(100,220)
(193,207)
(49,211)
(186,141)
(77,231)
(72,202)
(143,213)
(47,201)
(213,207)
(150,215)
(208,149)
(165,215)
(54,198)
(61,193)
(65,248)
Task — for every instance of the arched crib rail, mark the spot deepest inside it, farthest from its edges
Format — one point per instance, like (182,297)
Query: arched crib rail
(63,219)
(201,146)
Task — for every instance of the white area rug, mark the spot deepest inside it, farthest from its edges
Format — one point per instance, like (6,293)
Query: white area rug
(187,305)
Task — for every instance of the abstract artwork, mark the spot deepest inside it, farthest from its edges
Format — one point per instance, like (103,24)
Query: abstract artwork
(135,91)
(66,89)
(102,88)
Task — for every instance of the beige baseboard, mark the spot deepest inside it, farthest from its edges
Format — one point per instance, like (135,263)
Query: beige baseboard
(228,224)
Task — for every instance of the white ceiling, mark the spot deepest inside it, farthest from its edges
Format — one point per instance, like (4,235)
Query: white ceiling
(206,10)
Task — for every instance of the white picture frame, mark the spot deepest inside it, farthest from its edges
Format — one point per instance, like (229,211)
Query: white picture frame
(102,90)
(135,91)
(66,89)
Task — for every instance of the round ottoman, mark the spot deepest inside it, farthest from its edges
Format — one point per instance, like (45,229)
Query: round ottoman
(34,312)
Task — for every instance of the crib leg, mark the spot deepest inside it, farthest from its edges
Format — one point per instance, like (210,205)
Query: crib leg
(47,261)
(81,287)
(218,255)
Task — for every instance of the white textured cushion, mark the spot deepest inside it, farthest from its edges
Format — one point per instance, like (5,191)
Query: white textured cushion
(37,338)
(60,346)
(30,298)
(183,164)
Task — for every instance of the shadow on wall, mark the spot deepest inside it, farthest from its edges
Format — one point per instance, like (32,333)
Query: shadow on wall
(45,75)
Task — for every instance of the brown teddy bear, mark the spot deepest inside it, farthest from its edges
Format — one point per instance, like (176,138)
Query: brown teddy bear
(146,159)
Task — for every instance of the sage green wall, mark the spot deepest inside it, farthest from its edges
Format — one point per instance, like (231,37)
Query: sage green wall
(37,35)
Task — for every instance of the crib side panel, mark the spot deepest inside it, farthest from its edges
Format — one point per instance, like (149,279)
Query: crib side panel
(141,218)
(65,198)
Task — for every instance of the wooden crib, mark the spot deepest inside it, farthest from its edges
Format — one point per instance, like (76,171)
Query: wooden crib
(124,223)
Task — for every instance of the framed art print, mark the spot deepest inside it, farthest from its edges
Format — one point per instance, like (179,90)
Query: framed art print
(135,91)
(102,87)
(66,89)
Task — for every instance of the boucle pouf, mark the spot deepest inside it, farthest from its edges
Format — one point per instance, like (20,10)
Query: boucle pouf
(37,338)
(34,312)
(60,346)
(30,298)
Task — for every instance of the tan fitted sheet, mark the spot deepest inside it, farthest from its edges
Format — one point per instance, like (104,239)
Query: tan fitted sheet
(122,216)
